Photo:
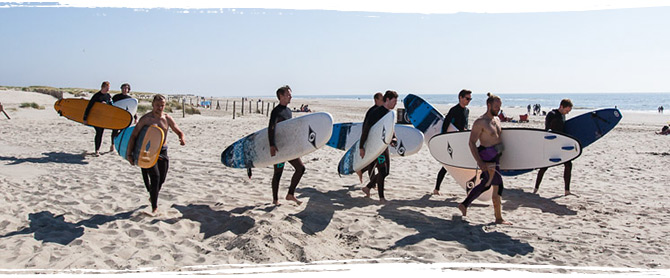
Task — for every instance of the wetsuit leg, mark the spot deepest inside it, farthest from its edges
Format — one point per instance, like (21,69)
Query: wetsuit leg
(383,169)
(567,175)
(278,170)
(299,171)
(151,182)
(115,132)
(479,189)
(98,137)
(540,175)
(440,178)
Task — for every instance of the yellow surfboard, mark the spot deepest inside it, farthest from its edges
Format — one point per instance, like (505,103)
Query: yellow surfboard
(148,146)
(101,115)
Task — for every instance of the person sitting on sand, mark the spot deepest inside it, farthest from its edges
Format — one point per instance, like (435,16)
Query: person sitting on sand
(154,177)
(664,131)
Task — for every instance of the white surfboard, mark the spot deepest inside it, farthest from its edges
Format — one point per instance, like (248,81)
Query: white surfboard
(524,148)
(379,137)
(294,138)
(409,138)
(128,104)
(467,178)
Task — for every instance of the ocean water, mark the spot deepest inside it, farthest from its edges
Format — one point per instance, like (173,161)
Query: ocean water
(638,102)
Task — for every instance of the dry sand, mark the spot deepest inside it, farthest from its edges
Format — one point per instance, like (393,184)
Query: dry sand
(63,209)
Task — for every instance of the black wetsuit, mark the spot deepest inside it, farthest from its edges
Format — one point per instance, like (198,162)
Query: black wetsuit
(154,177)
(371,166)
(116,98)
(97,97)
(383,162)
(281,113)
(555,121)
(458,116)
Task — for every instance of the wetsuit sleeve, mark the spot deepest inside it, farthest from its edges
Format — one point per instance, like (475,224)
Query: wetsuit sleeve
(364,131)
(556,124)
(271,127)
(447,120)
(95,98)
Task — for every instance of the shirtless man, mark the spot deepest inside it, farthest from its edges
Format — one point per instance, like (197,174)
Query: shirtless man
(154,177)
(278,114)
(487,130)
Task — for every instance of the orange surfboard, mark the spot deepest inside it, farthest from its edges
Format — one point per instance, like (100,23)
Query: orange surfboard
(101,115)
(148,146)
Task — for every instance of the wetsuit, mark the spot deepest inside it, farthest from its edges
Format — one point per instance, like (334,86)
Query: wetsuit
(116,98)
(488,155)
(371,166)
(154,177)
(97,97)
(383,161)
(555,121)
(458,116)
(281,113)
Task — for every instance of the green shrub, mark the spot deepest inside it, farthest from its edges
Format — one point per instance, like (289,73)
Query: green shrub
(191,110)
(31,105)
(143,109)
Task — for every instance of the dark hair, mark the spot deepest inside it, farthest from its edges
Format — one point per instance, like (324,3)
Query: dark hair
(105,83)
(664,128)
(282,90)
(492,98)
(566,102)
(464,92)
(390,95)
(379,95)
(125,85)
(158,97)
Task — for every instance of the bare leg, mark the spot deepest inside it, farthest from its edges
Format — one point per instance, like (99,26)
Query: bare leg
(436,192)
(290,197)
(497,207)
(366,190)
(463,209)
(360,176)
(538,180)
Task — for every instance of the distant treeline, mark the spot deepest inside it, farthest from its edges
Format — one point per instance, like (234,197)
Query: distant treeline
(77,92)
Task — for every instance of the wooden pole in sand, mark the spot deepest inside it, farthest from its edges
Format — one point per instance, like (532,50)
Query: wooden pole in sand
(242,106)
(257,106)
(183,110)
(226,105)
(250,107)
(233,110)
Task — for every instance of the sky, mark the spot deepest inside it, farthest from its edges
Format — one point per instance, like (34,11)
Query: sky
(337,48)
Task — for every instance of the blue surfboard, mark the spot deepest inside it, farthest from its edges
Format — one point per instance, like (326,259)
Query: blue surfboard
(121,141)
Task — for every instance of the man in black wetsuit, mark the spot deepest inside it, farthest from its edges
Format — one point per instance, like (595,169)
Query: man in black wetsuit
(383,162)
(379,101)
(458,116)
(100,96)
(125,89)
(555,121)
(281,113)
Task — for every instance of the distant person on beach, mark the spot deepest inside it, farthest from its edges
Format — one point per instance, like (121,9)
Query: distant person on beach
(665,130)
(281,113)
(155,176)
(383,162)
(125,89)
(458,116)
(104,97)
(528,109)
(555,121)
(488,131)
(379,101)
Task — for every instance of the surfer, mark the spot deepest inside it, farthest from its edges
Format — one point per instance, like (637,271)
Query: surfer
(487,130)
(154,177)
(379,101)
(555,121)
(458,116)
(383,162)
(282,113)
(125,89)
(100,96)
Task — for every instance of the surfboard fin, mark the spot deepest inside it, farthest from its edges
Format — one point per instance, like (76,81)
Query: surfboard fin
(249,172)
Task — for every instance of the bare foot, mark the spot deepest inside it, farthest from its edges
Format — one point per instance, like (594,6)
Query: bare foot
(383,201)
(275,202)
(535,190)
(502,221)
(360,176)
(463,209)
(436,192)
(366,191)
(111,148)
(567,192)
(97,153)
(292,198)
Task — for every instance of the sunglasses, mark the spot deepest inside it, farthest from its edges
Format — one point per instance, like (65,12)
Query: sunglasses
(468,98)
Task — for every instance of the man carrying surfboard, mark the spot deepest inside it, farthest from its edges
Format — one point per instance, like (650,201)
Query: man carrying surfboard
(100,96)
(379,101)
(458,116)
(383,162)
(282,113)
(154,177)
(487,130)
(555,121)
(125,89)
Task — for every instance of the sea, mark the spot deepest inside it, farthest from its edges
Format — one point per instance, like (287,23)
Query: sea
(634,102)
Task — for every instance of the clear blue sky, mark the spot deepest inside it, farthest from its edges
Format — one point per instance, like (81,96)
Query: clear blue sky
(253,51)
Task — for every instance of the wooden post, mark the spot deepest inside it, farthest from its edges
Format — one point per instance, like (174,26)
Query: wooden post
(226,105)
(233,110)
(242,106)
(211,102)
(183,110)
(267,111)
(250,107)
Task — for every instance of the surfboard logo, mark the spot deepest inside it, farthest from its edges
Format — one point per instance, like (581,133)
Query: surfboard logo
(312,137)
(401,149)
(384,134)
(450,150)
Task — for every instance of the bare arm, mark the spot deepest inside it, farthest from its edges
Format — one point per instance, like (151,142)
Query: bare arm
(133,136)
(173,125)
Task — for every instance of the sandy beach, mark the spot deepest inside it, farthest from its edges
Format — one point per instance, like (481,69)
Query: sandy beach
(64,209)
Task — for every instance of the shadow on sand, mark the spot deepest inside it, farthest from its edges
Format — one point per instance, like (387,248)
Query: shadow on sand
(50,157)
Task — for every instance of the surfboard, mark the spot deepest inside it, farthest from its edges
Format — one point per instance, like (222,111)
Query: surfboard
(128,104)
(147,145)
(294,138)
(345,135)
(379,137)
(428,120)
(524,148)
(101,115)
(587,128)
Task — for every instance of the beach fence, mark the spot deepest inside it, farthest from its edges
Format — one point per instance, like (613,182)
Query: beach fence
(261,107)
